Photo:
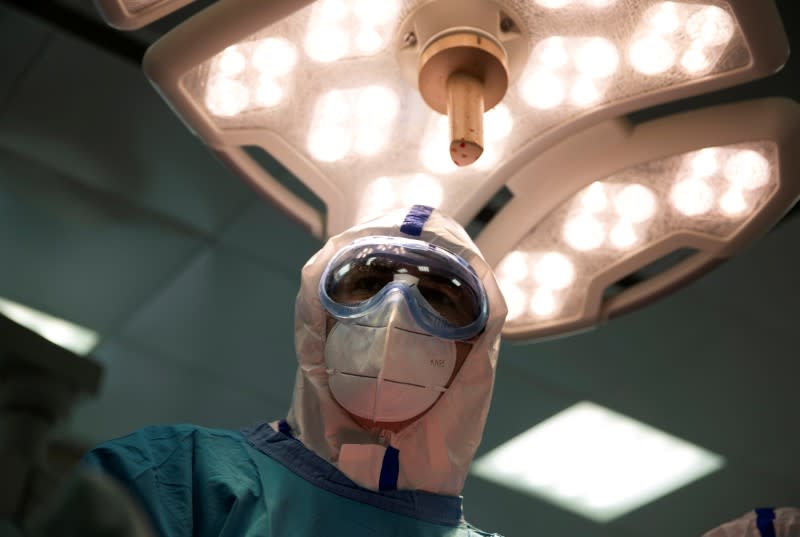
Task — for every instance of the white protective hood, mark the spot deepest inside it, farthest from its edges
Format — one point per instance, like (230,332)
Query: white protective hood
(436,451)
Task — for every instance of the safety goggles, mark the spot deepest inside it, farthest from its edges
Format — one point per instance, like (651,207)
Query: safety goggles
(444,295)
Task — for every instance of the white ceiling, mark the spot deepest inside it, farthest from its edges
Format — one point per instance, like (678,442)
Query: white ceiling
(113,216)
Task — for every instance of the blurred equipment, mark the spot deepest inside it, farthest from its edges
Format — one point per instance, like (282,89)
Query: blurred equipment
(39,383)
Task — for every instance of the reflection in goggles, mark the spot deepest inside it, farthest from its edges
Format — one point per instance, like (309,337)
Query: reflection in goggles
(445,282)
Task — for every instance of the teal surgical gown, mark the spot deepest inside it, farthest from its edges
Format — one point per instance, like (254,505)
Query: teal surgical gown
(200,482)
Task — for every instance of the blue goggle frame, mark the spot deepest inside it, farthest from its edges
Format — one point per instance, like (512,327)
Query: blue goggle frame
(423,313)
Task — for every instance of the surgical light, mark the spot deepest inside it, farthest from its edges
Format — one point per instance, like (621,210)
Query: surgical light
(637,197)
(379,105)
(551,81)
(63,333)
(596,462)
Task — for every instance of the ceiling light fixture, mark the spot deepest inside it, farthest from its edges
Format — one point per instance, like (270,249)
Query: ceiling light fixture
(596,462)
(709,182)
(63,333)
(538,78)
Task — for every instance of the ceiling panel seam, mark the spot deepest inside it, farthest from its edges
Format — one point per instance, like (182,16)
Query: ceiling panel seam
(261,262)
(233,219)
(15,86)
(108,196)
(116,327)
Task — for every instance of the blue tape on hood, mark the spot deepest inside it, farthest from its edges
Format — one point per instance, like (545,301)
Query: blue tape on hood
(765,521)
(415,220)
(390,469)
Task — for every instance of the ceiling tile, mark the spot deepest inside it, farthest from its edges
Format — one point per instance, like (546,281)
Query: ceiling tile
(712,501)
(228,315)
(273,238)
(26,37)
(77,254)
(96,118)
(141,388)
(495,508)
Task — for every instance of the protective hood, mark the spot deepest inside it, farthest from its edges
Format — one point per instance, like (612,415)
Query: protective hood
(782,522)
(435,452)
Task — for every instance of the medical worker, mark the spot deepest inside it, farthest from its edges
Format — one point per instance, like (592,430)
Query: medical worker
(397,332)
(767,522)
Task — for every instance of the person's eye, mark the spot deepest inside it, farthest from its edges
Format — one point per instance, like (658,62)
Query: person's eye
(437,296)
(367,283)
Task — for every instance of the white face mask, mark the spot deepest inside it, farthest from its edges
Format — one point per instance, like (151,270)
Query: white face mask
(387,373)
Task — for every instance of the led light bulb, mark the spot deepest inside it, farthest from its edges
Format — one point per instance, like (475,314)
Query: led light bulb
(704,163)
(375,12)
(332,108)
(635,203)
(733,203)
(584,92)
(553,4)
(514,297)
(231,62)
(274,56)
(382,191)
(584,232)
(747,169)
(513,267)
(695,60)
(651,55)
(489,157)
(436,159)
(710,25)
(543,90)
(551,52)
(423,190)
(623,235)
(377,104)
(543,303)
(330,137)
(329,143)
(375,110)
(692,196)
(226,97)
(368,40)
(268,92)
(378,197)
(434,154)
(594,197)
(663,18)
(498,123)
(554,271)
(370,139)
(333,10)
(326,44)
(596,57)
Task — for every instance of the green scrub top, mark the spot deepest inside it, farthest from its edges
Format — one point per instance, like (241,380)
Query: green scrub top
(199,482)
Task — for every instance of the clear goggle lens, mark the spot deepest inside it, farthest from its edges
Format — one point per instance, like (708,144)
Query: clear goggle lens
(357,279)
